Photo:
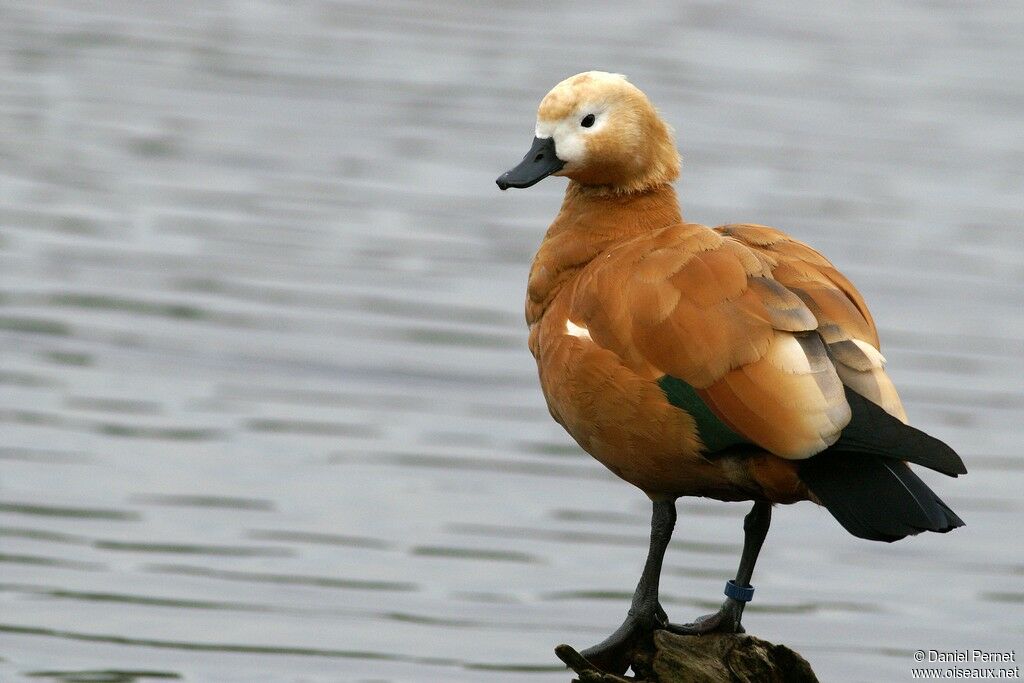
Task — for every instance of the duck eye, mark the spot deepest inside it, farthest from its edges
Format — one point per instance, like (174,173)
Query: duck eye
(588,121)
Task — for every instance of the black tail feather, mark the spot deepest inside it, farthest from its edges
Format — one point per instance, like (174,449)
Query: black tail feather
(872,430)
(876,498)
(953,518)
(865,483)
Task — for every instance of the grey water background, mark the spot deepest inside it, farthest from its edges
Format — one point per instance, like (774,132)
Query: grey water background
(266,407)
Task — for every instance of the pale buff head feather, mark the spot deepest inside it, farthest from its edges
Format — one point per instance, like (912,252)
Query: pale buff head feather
(608,133)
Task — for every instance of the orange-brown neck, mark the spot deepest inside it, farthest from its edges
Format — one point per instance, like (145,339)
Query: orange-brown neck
(588,224)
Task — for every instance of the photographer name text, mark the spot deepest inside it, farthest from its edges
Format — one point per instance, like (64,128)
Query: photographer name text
(965,656)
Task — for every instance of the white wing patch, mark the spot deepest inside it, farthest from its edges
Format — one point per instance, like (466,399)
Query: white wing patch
(577,331)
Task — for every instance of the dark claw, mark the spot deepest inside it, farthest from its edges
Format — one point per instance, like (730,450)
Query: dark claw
(587,672)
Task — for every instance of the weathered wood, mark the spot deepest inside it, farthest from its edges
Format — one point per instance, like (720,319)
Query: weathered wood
(714,658)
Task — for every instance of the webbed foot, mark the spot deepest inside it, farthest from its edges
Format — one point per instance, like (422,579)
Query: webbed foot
(614,653)
(725,620)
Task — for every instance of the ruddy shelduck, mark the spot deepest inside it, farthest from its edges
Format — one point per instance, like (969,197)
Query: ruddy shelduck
(735,363)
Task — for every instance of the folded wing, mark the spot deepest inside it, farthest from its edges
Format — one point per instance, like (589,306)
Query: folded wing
(761,326)
(844,321)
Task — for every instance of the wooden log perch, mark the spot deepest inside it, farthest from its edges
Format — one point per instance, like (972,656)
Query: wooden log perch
(714,658)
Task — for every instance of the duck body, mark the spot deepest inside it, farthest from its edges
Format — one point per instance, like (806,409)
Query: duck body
(734,363)
(610,403)
(630,271)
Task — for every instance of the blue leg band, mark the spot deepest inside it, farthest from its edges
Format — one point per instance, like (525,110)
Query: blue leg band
(737,592)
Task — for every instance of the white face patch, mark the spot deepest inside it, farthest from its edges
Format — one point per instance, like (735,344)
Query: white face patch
(577,331)
(570,136)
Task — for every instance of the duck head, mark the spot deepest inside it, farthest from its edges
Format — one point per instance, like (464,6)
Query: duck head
(601,131)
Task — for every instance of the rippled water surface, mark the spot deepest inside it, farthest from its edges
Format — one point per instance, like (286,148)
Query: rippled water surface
(266,407)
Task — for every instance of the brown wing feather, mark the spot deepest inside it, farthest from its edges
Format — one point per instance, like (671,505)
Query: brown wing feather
(704,307)
(844,321)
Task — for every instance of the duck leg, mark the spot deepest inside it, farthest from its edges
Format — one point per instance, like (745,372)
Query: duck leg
(739,591)
(645,614)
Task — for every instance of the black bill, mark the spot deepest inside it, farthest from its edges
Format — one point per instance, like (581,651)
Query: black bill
(539,163)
